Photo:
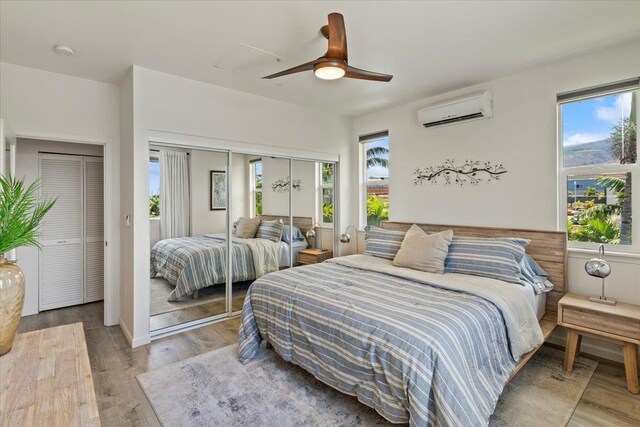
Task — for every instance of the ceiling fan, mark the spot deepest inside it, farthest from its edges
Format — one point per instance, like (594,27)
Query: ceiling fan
(334,63)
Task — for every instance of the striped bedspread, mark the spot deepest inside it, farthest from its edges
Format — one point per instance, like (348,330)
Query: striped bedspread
(415,346)
(191,263)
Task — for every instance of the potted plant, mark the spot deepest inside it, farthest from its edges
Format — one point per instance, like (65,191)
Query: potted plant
(20,216)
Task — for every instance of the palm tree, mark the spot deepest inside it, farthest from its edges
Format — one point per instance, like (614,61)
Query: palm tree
(626,131)
(374,157)
(591,191)
(598,230)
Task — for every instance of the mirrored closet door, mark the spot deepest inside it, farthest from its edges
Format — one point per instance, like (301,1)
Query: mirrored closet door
(189,223)
(213,212)
(313,206)
(261,214)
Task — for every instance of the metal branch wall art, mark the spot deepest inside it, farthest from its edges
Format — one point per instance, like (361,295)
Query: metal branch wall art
(282,185)
(470,172)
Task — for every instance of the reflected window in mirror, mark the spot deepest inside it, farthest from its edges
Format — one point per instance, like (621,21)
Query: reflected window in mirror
(154,187)
(255,183)
(327,173)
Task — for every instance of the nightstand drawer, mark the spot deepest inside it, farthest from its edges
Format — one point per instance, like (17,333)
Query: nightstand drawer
(312,256)
(307,258)
(602,323)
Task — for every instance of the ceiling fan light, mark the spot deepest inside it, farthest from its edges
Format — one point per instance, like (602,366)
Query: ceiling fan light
(329,71)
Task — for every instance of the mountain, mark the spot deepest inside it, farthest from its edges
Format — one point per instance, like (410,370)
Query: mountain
(590,153)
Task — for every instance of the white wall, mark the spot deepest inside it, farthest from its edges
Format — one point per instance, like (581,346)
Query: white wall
(27,167)
(522,136)
(188,111)
(240,193)
(204,220)
(303,200)
(126,204)
(54,106)
(154,237)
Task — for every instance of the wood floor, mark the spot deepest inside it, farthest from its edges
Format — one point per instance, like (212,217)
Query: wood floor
(195,312)
(121,401)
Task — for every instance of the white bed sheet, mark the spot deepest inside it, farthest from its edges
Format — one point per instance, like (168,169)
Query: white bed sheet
(537,302)
(283,258)
(283,248)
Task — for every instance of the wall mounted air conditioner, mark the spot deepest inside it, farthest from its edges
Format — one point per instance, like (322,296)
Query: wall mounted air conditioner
(470,107)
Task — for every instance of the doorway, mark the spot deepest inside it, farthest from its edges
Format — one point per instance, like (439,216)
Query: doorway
(71,267)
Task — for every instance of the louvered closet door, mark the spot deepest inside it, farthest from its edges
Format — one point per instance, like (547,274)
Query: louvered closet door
(61,258)
(94,234)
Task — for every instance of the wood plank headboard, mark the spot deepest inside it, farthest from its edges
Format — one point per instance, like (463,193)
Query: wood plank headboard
(548,248)
(304,223)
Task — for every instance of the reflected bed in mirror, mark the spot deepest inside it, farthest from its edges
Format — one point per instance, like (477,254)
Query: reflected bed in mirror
(190,208)
(189,272)
(181,186)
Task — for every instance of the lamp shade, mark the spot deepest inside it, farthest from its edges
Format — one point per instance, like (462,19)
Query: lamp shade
(598,267)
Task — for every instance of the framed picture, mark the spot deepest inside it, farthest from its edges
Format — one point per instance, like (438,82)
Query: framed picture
(218,191)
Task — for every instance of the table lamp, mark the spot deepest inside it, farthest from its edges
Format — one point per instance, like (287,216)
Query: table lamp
(317,243)
(346,238)
(598,267)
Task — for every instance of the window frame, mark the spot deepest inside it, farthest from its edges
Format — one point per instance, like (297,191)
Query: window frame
(253,190)
(364,181)
(593,170)
(320,199)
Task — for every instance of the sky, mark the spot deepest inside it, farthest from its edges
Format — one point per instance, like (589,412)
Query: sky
(378,171)
(259,170)
(154,178)
(592,119)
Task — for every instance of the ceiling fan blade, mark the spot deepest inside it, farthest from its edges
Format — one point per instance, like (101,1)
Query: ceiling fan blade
(356,73)
(297,69)
(337,38)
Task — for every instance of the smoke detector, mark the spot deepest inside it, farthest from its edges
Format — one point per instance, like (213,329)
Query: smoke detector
(64,50)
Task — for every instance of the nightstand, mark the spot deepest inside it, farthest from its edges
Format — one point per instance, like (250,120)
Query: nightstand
(313,256)
(618,323)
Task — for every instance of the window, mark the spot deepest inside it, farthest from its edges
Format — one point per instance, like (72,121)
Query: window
(598,165)
(375,164)
(256,187)
(327,172)
(154,187)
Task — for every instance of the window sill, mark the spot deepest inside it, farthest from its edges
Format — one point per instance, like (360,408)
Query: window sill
(612,254)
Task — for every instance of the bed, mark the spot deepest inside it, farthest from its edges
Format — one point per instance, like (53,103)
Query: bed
(194,263)
(418,347)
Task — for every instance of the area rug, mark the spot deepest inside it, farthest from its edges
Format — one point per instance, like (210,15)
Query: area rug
(216,389)
(161,288)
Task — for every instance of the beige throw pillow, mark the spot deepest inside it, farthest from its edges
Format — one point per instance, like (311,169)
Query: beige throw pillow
(422,251)
(247,227)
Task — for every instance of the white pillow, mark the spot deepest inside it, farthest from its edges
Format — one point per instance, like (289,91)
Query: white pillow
(422,251)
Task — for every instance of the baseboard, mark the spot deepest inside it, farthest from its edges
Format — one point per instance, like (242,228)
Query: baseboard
(138,341)
(134,342)
(27,312)
(126,332)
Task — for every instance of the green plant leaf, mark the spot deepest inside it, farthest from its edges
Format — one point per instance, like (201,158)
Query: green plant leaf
(20,213)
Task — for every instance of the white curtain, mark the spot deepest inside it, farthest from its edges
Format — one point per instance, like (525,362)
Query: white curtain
(174,194)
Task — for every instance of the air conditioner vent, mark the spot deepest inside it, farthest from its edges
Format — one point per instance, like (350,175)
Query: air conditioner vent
(453,120)
(471,107)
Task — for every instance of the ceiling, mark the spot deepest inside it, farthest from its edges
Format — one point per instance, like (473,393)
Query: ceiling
(429,47)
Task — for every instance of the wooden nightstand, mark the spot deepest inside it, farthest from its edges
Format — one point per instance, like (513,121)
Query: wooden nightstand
(313,256)
(618,323)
